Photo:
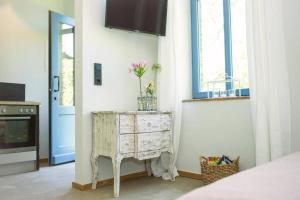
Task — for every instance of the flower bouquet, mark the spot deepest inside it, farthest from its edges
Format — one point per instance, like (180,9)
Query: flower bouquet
(139,70)
(149,101)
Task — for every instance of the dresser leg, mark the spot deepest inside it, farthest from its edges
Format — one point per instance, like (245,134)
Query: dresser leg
(116,170)
(95,171)
(172,165)
(148,167)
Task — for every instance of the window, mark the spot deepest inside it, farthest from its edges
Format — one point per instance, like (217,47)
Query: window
(219,47)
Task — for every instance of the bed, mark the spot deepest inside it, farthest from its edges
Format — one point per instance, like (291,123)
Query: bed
(277,180)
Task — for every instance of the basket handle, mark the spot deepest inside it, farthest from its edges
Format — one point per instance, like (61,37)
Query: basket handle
(203,159)
(236,161)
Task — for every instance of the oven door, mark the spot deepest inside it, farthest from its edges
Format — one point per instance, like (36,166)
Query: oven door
(16,132)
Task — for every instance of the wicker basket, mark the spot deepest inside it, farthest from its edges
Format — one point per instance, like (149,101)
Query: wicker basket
(213,173)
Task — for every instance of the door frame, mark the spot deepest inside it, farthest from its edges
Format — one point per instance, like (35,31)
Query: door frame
(51,17)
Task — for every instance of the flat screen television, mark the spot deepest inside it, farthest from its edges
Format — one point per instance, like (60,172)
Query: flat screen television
(147,16)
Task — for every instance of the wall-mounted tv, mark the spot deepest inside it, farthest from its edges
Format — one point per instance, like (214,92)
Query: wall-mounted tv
(147,16)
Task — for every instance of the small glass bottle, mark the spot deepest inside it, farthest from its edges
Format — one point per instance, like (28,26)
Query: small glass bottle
(140,104)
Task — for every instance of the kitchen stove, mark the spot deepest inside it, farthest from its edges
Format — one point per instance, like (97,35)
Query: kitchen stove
(19,133)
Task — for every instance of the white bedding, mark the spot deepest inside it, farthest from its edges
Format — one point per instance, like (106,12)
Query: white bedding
(277,180)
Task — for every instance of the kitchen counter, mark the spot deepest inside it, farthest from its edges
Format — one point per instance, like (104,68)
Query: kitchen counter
(20,103)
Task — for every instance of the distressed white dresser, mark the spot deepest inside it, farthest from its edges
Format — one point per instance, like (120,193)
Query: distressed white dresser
(140,135)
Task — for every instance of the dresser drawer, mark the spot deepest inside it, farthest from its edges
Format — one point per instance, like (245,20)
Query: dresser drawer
(126,124)
(152,141)
(152,123)
(147,155)
(127,143)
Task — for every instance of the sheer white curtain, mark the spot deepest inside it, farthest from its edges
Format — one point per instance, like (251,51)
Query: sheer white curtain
(269,83)
(174,83)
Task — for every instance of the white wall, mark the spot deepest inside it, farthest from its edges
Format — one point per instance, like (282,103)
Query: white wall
(68,7)
(24,51)
(292,34)
(215,128)
(116,50)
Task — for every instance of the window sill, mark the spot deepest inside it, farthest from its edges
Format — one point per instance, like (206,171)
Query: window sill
(216,99)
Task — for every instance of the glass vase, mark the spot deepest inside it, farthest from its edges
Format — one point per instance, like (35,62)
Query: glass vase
(140,101)
(147,103)
(154,103)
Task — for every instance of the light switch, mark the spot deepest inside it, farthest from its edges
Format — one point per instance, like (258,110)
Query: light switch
(98,74)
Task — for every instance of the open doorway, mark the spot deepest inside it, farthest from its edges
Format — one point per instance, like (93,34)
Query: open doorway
(61,89)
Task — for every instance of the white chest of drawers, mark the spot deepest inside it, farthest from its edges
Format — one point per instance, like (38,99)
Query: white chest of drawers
(139,135)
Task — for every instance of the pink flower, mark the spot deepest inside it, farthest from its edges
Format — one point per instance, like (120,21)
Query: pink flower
(142,63)
(134,66)
(138,68)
